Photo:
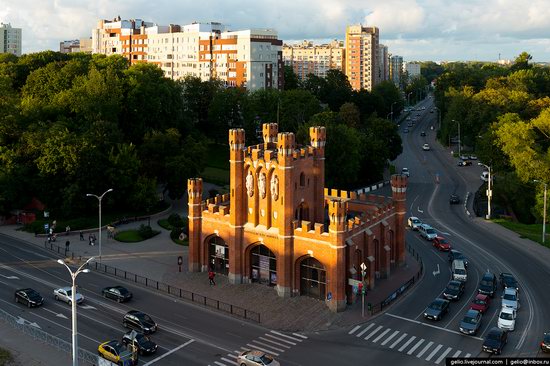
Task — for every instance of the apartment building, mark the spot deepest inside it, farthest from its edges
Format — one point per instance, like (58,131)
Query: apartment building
(76,45)
(247,58)
(396,69)
(10,39)
(307,58)
(412,69)
(383,63)
(362,45)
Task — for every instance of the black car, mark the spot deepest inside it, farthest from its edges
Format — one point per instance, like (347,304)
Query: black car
(144,345)
(455,254)
(495,341)
(464,163)
(454,199)
(117,293)
(139,321)
(488,284)
(454,290)
(545,344)
(436,309)
(422,133)
(29,297)
(508,280)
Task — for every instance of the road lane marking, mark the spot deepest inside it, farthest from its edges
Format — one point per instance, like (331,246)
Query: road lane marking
(467,355)
(443,355)
(406,344)
(279,339)
(59,315)
(365,330)
(277,343)
(354,329)
(381,335)
(287,336)
(415,346)
(424,349)
(390,338)
(373,332)
(227,360)
(232,355)
(268,346)
(398,340)
(217,363)
(431,325)
(457,353)
(434,352)
(263,350)
(299,335)
(170,352)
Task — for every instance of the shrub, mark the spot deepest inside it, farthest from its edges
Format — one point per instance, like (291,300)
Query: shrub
(146,232)
(175,220)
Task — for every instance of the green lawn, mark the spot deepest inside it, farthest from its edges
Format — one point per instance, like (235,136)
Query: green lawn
(131,236)
(218,156)
(164,224)
(215,175)
(530,231)
(5,357)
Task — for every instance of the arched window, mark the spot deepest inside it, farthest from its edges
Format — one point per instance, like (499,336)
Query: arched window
(313,278)
(218,255)
(263,265)
(302,179)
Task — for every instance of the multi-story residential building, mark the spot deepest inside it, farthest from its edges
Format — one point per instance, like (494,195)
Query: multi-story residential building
(396,69)
(412,69)
(362,56)
(383,63)
(307,58)
(76,45)
(247,58)
(10,39)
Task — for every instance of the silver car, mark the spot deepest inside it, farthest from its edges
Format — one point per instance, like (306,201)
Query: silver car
(65,294)
(256,358)
(510,298)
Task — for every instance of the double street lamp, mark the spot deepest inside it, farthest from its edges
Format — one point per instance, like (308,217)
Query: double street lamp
(489,191)
(99,198)
(544,213)
(80,269)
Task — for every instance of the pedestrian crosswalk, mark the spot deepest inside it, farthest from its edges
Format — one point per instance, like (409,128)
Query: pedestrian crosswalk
(273,343)
(402,342)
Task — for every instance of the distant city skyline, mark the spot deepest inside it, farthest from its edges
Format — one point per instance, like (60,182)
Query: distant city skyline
(436,30)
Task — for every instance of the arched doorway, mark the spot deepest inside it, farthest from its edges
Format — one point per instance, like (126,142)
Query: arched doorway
(218,255)
(313,278)
(263,265)
(302,212)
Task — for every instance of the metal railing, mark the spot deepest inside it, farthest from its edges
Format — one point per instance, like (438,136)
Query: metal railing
(178,292)
(38,334)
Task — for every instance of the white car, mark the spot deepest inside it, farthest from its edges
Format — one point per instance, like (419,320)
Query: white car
(427,232)
(510,298)
(426,147)
(405,171)
(507,319)
(65,294)
(414,222)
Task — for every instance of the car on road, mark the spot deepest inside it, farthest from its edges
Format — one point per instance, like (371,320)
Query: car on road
(116,353)
(471,322)
(455,254)
(507,319)
(464,163)
(144,345)
(508,280)
(405,171)
(118,293)
(458,270)
(484,176)
(495,340)
(137,320)
(437,309)
(510,298)
(441,243)
(473,157)
(454,199)
(426,147)
(422,133)
(488,284)
(414,222)
(256,358)
(454,290)
(29,297)
(427,232)
(464,157)
(405,130)
(66,293)
(545,343)
(481,303)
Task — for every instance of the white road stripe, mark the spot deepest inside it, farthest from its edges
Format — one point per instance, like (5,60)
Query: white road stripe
(467,355)
(373,333)
(227,360)
(415,346)
(424,349)
(287,336)
(169,352)
(429,325)
(261,349)
(365,330)
(279,339)
(398,340)
(443,355)
(354,329)
(381,335)
(232,355)
(219,363)
(267,345)
(277,343)
(406,344)
(434,352)
(457,353)
(299,335)
(244,349)
(390,338)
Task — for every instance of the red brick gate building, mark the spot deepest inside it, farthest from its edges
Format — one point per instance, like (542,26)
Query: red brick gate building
(279,226)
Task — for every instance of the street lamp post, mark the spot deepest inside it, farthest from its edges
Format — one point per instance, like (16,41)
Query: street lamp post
(80,269)
(543,214)
(99,198)
(408,100)
(459,142)
(489,191)
(391,110)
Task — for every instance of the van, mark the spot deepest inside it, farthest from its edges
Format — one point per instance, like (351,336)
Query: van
(484,176)
(459,270)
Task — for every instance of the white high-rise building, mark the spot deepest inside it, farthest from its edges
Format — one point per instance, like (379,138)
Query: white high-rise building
(412,69)
(383,63)
(10,39)
(396,69)
(362,56)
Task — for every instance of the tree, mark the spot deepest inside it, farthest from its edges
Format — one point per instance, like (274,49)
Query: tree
(225,111)
(291,79)
(349,114)
(296,108)
(522,62)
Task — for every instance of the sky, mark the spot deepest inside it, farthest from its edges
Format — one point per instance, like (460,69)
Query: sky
(418,30)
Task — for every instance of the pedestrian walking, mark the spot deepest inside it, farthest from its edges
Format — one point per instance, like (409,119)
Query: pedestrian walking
(90,240)
(211,276)
(81,236)
(67,230)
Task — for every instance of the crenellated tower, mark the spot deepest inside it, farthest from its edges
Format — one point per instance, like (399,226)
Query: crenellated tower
(399,193)
(237,207)
(269,132)
(337,211)
(194,198)
(318,138)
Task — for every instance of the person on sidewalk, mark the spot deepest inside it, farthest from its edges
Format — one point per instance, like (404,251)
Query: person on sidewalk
(81,236)
(211,276)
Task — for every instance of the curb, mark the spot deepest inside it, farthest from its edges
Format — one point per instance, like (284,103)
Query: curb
(466,204)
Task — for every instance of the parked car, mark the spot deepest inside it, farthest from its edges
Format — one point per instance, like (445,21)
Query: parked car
(29,297)
(409,124)
(454,199)
(495,340)
(454,290)
(464,163)
(118,293)
(545,343)
(116,352)
(507,319)
(414,222)
(405,171)
(488,284)
(455,254)
(405,130)
(481,303)
(471,322)
(508,280)
(65,294)
(139,321)
(464,157)
(426,147)
(436,309)
(510,298)
(473,157)
(441,243)
(422,133)
(256,358)
(427,232)
(144,345)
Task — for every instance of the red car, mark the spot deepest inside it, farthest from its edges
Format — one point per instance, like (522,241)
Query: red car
(441,243)
(480,303)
